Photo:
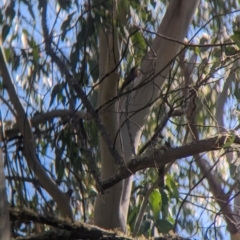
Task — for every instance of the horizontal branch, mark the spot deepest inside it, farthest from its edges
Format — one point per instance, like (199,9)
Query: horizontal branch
(42,118)
(67,230)
(76,230)
(48,116)
(160,157)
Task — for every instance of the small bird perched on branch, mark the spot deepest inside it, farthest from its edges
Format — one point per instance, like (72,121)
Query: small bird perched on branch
(130,77)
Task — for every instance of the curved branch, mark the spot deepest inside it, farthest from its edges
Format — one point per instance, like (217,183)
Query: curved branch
(76,230)
(25,128)
(48,116)
(160,157)
(158,130)
(77,88)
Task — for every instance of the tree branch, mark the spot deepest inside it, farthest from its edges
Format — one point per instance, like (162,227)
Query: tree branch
(67,230)
(77,88)
(74,230)
(158,130)
(160,158)
(48,116)
(25,128)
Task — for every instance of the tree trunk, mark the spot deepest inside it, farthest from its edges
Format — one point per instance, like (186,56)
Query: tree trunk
(108,212)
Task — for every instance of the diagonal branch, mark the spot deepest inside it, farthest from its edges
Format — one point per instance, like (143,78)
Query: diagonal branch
(97,121)
(24,126)
(48,116)
(77,88)
(76,230)
(160,158)
(221,197)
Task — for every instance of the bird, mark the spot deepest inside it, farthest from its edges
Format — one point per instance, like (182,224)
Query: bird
(130,77)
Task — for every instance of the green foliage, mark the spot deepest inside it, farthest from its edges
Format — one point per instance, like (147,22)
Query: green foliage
(236,38)
(164,226)
(66,25)
(5,31)
(230,140)
(156,203)
(172,187)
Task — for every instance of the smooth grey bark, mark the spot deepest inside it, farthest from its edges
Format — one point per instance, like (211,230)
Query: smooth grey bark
(174,25)
(107,211)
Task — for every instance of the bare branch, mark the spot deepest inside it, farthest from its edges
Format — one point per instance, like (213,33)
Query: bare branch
(221,197)
(158,131)
(67,230)
(160,158)
(98,123)
(25,128)
(184,43)
(48,116)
